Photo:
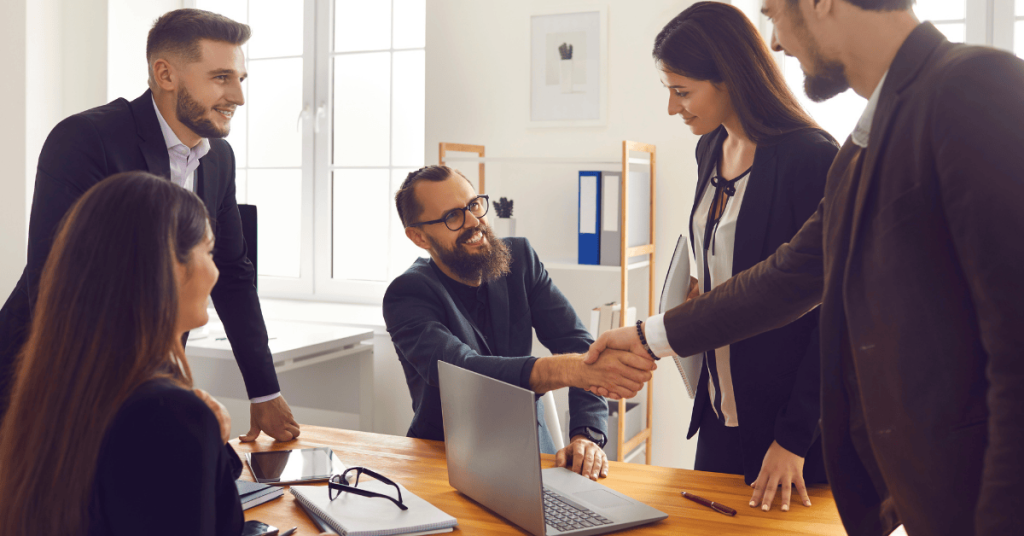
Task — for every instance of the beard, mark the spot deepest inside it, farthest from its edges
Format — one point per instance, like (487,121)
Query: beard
(828,80)
(192,114)
(489,264)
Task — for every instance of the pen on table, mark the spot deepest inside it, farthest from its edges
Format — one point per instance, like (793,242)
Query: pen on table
(720,508)
(290,531)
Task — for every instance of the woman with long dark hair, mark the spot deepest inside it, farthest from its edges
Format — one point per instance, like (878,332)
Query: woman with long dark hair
(104,434)
(761,163)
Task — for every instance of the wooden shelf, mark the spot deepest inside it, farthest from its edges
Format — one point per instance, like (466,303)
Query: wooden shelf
(542,160)
(595,268)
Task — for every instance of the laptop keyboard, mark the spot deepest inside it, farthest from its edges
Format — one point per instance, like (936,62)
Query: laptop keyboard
(565,516)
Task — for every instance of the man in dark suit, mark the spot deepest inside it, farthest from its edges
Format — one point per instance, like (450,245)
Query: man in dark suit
(915,256)
(475,304)
(173,130)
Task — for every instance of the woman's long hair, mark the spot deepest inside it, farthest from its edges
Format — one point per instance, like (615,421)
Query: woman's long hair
(716,42)
(104,323)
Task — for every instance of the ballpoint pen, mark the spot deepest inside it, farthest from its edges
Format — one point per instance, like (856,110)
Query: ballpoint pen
(290,531)
(720,508)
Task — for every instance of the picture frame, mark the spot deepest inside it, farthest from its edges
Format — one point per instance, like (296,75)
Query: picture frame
(568,78)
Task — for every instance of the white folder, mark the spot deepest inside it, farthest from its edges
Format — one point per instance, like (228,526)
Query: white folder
(677,285)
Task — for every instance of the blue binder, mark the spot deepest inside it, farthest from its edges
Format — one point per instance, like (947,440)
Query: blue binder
(589,224)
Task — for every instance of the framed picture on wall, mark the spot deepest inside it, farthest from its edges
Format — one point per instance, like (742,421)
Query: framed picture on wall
(569,68)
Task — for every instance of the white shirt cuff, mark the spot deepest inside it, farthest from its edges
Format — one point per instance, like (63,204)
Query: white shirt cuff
(657,337)
(268,398)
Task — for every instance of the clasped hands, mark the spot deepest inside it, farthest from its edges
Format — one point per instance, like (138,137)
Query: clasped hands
(629,366)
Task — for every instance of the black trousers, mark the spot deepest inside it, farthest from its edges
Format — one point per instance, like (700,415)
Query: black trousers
(719,448)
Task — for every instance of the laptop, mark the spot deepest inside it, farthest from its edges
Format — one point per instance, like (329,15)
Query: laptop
(491,442)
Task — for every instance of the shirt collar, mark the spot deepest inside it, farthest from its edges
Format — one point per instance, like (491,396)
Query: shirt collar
(863,129)
(175,144)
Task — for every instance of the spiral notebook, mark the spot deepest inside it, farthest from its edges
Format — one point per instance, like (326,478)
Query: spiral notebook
(677,285)
(354,515)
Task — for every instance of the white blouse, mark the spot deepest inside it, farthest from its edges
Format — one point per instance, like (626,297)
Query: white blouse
(720,255)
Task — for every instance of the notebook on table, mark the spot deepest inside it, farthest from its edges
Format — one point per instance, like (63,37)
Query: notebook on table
(354,515)
(253,494)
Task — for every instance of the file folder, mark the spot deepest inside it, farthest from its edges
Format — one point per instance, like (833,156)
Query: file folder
(589,218)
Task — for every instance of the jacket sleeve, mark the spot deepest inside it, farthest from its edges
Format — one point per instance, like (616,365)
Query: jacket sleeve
(183,438)
(769,295)
(234,295)
(796,427)
(416,321)
(559,329)
(977,140)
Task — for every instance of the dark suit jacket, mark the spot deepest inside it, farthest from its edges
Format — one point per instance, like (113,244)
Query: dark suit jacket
(916,263)
(125,136)
(427,325)
(169,428)
(775,374)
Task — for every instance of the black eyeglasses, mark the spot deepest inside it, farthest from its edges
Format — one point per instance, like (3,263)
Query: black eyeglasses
(339,483)
(455,219)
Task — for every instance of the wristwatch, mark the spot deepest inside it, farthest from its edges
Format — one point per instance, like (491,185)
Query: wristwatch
(592,434)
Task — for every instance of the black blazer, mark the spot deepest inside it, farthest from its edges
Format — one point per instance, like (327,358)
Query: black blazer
(775,374)
(163,470)
(125,136)
(915,256)
(427,325)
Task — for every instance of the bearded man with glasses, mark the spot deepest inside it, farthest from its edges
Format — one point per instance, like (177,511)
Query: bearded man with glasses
(475,303)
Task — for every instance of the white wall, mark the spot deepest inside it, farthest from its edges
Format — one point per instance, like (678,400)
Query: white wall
(127,70)
(13,31)
(478,92)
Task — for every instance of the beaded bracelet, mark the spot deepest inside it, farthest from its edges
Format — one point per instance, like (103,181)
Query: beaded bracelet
(643,340)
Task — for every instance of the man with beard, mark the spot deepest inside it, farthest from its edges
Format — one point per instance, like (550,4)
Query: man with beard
(915,256)
(175,130)
(475,304)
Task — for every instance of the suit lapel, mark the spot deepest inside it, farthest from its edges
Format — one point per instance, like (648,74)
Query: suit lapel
(706,168)
(752,222)
(151,138)
(206,174)
(902,72)
(497,300)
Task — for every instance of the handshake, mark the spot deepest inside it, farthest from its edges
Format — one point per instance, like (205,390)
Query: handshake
(616,366)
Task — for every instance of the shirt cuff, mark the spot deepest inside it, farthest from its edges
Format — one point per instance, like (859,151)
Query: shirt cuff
(268,398)
(524,377)
(657,337)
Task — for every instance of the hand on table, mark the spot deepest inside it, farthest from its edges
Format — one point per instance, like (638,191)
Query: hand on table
(780,467)
(219,411)
(583,456)
(273,417)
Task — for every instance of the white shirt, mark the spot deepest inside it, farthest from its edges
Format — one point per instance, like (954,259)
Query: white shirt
(184,163)
(863,129)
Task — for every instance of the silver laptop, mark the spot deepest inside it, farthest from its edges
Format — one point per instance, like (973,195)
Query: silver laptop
(490,430)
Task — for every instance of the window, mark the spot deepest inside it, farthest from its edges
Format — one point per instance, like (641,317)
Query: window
(959,20)
(333,122)
(1018,30)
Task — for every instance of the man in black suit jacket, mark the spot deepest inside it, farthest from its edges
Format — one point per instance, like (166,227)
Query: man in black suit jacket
(475,304)
(173,130)
(915,256)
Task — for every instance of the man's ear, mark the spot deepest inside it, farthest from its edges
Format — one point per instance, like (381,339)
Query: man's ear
(418,237)
(821,8)
(164,75)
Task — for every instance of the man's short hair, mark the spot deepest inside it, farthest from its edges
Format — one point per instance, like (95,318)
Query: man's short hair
(409,208)
(877,5)
(178,33)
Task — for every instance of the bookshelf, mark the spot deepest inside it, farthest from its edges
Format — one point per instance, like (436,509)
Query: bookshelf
(626,447)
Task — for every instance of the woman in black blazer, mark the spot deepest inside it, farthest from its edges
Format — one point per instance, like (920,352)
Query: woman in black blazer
(762,163)
(104,434)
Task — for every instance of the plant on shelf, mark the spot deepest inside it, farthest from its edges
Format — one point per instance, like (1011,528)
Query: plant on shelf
(503,207)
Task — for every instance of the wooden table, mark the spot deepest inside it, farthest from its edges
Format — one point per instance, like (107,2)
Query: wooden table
(420,466)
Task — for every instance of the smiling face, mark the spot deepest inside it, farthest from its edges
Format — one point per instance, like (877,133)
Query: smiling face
(702,105)
(824,77)
(471,254)
(210,89)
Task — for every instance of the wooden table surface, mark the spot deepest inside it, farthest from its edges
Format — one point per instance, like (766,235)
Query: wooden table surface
(420,466)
